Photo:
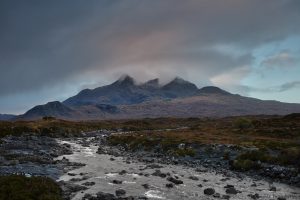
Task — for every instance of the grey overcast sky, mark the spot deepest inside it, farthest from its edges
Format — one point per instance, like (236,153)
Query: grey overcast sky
(50,50)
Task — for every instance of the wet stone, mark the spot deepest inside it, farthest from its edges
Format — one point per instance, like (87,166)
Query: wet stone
(281,198)
(194,178)
(273,188)
(88,183)
(159,173)
(175,181)
(254,196)
(225,196)
(120,192)
(117,182)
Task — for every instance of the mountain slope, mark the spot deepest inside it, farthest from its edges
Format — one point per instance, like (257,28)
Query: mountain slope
(6,117)
(54,109)
(123,91)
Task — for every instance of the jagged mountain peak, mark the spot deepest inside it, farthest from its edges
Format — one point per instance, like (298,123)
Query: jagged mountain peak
(126,80)
(180,81)
(152,83)
(53,103)
(179,87)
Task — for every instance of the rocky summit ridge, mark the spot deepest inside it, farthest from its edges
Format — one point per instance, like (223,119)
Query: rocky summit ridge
(126,98)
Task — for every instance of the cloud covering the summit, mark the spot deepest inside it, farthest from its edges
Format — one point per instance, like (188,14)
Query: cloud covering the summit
(51,49)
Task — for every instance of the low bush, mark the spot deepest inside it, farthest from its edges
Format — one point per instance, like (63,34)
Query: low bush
(17,187)
(245,165)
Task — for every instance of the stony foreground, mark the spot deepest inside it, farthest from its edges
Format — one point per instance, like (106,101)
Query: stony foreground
(85,171)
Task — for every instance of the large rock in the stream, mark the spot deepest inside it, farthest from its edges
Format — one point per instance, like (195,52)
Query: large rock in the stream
(117,182)
(122,172)
(209,191)
(146,186)
(231,190)
(105,196)
(174,180)
(281,198)
(69,188)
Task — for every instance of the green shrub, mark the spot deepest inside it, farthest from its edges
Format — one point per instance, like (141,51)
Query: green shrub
(242,123)
(48,118)
(184,152)
(245,165)
(226,155)
(16,187)
(289,156)
(255,155)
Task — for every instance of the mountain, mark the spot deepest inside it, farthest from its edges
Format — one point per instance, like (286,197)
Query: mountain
(55,109)
(125,98)
(6,117)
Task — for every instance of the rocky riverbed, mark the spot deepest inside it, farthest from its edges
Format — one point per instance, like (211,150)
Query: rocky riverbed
(111,175)
(88,168)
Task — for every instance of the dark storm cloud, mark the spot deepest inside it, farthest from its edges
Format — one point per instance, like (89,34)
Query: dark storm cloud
(44,43)
(289,86)
(279,88)
(284,59)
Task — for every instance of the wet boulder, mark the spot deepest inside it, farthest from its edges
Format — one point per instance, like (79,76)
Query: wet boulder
(209,191)
(159,173)
(231,190)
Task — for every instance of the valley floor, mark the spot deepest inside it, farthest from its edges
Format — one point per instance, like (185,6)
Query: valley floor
(254,157)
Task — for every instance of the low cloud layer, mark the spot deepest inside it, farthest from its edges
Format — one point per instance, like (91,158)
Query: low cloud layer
(50,44)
